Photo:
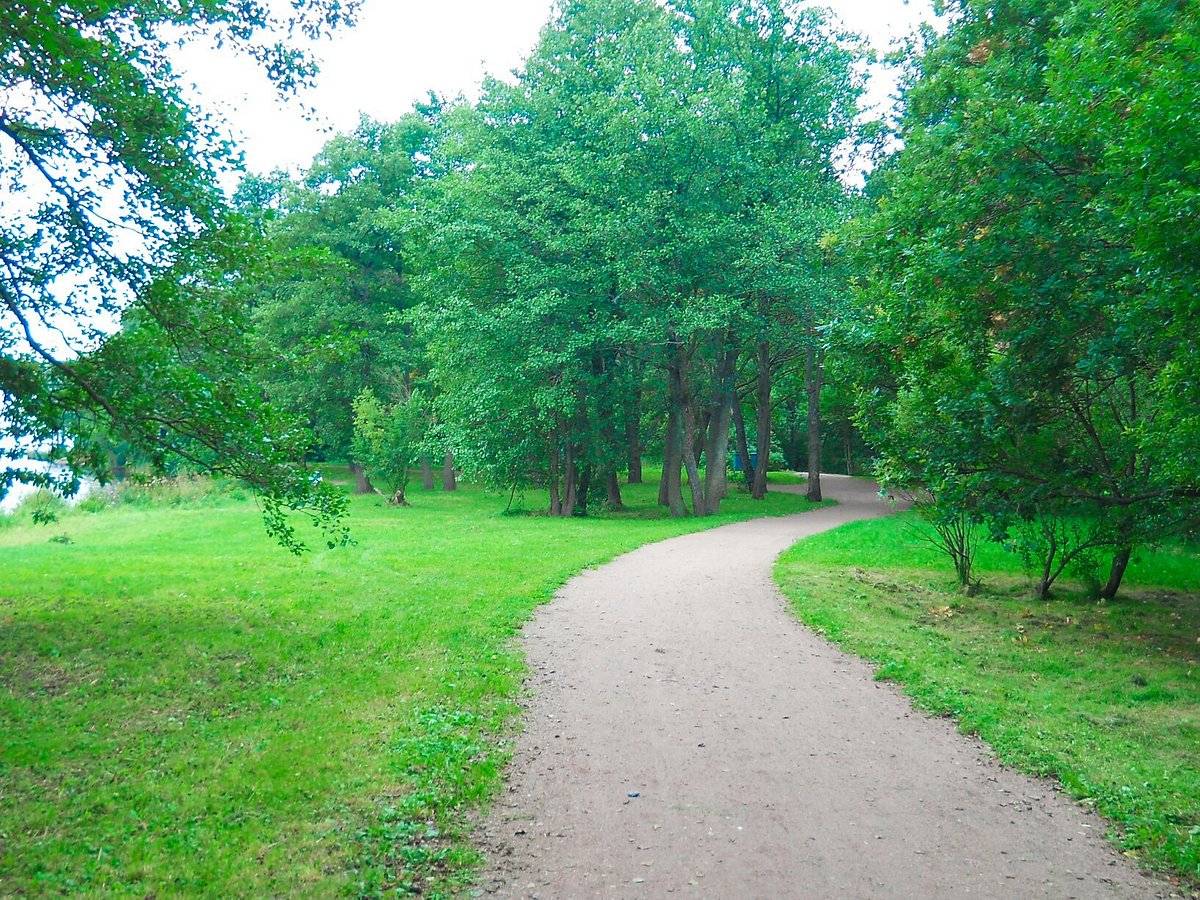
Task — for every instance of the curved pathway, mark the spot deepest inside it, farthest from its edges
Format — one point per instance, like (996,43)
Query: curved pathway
(685,735)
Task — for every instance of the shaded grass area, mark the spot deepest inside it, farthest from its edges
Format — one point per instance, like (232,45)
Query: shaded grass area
(785,478)
(1105,697)
(186,708)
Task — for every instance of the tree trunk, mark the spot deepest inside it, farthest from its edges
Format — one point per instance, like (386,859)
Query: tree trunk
(362,484)
(743,448)
(426,474)
(703,420)
(612,490)
(449,479)
(847,442)
(814,375)
(670,489)
(555,496)
(570,482)
(1120,562)
(1041,590)
(717,445)
(716,477)
(792,451)
(758,490)
(585,487)
(633,438)
(681,396)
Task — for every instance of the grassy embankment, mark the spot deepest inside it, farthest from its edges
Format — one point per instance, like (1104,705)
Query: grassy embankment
(186,708)
(1105,697)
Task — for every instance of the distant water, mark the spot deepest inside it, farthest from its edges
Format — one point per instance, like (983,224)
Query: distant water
(19,491)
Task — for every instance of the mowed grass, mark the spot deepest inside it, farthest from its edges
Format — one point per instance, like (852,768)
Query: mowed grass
(1105,697)
(185,708)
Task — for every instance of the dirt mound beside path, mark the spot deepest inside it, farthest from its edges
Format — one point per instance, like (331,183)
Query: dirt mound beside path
(685,735)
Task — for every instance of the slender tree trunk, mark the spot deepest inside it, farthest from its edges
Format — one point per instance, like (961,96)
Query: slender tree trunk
(695,486)
(1042,589)
(1116,573)
(703,421)
(555,496)
(612,490)
(633,438)
(717,445)
(666,461)
(814,375)
(743,448)
(758,490)
(793,448)
(449,479)
(847,442)
(670,490)
(584,489)
(362,484)
(426,474)
(570,482)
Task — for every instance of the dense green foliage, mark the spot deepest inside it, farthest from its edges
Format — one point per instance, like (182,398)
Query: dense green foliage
(1103,697)
(584,264)
(1025,278)
(258,724)
(113,216)
(334,276)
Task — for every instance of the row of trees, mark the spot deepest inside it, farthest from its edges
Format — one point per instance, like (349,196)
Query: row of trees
(641,246)
(623,249)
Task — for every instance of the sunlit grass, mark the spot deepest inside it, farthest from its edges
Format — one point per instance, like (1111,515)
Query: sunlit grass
(1103,696)
(186,708)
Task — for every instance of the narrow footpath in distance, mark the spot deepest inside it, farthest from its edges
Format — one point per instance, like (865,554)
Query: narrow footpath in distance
(685,735)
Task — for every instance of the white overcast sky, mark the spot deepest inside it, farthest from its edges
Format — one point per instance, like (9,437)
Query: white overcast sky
(401,49)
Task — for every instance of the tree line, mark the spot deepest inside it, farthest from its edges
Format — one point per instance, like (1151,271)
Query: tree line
(646,245)
(620,252)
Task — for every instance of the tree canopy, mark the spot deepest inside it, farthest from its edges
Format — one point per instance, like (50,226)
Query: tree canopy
(1025,276)
(113,218)
(644,243)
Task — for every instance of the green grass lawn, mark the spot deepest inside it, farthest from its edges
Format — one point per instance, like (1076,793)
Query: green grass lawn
(785,478)
(186,708)
(1104,697)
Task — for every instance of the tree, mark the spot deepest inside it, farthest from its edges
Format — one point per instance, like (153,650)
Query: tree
(336,279)
(526,320)
(1017,274)
(388,440)
(788,86)
(111,183)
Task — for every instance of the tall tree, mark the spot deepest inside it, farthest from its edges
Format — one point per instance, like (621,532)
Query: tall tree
(1019,275)
(641,205)
(789,86)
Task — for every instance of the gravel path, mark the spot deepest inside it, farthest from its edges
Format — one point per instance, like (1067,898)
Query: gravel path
(684,735)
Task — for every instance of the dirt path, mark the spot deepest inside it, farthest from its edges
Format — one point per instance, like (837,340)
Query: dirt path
(686,736)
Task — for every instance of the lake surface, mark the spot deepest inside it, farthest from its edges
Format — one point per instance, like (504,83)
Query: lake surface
(20,491)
